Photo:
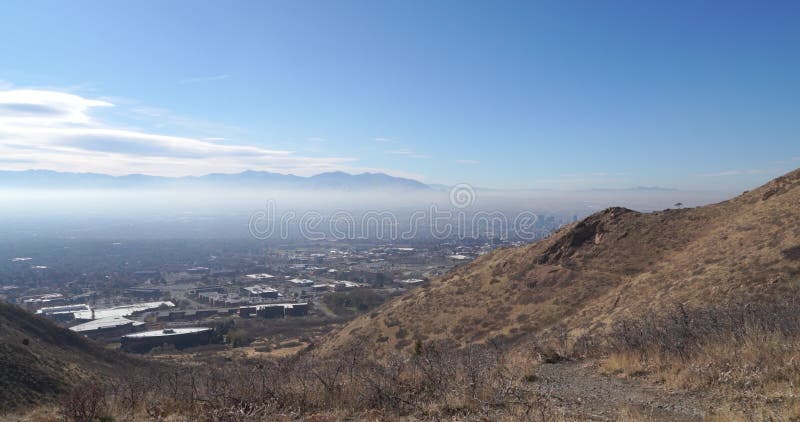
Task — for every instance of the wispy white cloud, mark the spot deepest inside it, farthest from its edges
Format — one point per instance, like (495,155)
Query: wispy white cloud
(408,153)
(467,162)
(31,107)
(151,111)
(744,172)
(204,79)
(582,181)
(791,161)
(48,129)
(163,118)
(384,140)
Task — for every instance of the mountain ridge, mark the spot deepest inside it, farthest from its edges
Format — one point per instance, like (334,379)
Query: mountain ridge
(614,264)
(248,178)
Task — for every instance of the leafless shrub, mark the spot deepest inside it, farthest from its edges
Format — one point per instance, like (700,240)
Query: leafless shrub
(680,332)
(84,403)
(438,381)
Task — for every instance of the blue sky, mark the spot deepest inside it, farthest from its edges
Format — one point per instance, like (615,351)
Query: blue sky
(562,95)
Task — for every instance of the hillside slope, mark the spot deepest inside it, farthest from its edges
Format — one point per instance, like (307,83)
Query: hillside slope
(38,359)
(614,263)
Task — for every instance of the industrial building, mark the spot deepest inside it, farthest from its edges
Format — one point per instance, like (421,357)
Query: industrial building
(260,290)
(271,311)
(301,281)
(109,328)
(186,315)
(180,338)
(124,310)
(64,313)
(85,312)
(38,301)
(276,310)
(262,276)
(222,299)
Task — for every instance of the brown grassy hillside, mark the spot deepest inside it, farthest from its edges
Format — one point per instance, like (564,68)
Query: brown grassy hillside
(38,359)
(614,264)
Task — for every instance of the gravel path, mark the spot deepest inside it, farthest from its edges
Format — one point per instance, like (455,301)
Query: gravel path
(585,394)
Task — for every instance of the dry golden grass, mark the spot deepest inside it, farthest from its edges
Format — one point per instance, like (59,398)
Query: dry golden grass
(767,366)
(623,364)
(615,264)
(37,414)
(755,378)
(618,265)
(436,383)
(628,414)
(789,413)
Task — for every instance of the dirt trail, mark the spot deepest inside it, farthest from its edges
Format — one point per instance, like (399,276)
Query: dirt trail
(587,395)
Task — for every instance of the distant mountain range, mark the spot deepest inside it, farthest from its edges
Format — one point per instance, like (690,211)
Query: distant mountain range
(338,180)
(44,179)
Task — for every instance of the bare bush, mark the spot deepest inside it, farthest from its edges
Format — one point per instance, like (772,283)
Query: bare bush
(680,332)
(737,349)
(439,381)
(84,403)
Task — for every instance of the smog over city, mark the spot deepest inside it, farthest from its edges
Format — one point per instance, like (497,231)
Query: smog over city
(399,211)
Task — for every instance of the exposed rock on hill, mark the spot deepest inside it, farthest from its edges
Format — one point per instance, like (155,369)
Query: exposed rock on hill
(614,263)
